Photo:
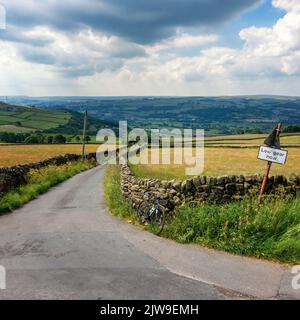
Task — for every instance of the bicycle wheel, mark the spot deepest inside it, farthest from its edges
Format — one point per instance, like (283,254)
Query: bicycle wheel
(158,220)
(142,213)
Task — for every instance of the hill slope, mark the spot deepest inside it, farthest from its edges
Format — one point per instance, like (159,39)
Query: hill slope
(25,119)
(219,115)
(22,119)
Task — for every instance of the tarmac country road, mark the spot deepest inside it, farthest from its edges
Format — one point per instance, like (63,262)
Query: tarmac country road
(65,245)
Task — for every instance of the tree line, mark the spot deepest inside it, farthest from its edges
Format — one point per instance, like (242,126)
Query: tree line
(37,138)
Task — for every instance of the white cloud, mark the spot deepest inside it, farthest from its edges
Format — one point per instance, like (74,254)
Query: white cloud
(90,62)
(267,53)
(278,46)
(291,64)
(75,55)
(282,39)
(288,5)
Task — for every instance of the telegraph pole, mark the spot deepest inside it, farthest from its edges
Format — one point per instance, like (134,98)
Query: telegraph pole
(84,133)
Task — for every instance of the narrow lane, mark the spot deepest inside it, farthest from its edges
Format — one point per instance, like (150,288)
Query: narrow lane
(65,245)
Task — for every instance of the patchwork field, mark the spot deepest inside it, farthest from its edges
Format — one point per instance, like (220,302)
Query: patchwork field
(249,140)
(220,156)
(286,141)
(219,161)
(24,119)
(9,128)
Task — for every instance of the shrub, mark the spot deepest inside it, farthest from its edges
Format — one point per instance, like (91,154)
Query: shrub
(59,139)
(34,139)
(49,139)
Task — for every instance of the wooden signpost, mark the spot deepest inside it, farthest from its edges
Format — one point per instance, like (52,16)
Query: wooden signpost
(271,153)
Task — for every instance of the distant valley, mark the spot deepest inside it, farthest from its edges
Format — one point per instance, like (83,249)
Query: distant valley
(217,115)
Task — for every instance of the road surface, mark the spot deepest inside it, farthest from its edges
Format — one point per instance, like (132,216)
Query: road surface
(65,245)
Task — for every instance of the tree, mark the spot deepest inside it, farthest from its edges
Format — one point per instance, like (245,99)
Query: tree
(291,129)
(59,139)
(256,131)
(77,138)
(87,139)
(240,131)
(10,137)
(49,139)
(33,139)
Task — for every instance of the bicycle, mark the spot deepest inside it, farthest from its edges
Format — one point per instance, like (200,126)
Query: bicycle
(152,213)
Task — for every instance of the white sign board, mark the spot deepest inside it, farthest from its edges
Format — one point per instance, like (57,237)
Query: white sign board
(273,155)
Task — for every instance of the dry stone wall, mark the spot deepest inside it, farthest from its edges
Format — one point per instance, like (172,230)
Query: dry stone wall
(13,177)
(197,189)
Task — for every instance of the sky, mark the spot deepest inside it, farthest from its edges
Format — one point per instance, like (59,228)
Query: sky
(149,47)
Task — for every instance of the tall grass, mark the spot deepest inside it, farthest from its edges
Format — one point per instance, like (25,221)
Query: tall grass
(270,230)
(113,196)
(39,181)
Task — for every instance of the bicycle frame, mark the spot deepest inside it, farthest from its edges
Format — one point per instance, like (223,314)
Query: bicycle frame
(152,213)
(151,210)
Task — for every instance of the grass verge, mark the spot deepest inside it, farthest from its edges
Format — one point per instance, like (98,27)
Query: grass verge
(115,201)
(39,181)
(269,231)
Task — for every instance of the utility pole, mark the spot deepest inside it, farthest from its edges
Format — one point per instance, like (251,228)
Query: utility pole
(84,133)
(271,141)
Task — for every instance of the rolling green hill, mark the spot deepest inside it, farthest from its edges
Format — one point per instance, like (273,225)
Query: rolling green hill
(23,119)
(26,119)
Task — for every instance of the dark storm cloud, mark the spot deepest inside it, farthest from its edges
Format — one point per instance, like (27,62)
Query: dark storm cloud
(69,64)
(141,21)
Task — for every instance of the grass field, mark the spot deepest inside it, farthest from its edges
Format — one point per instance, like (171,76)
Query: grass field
(22,119)
(220,161)
(250,140)
(11,155)
(14,129)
